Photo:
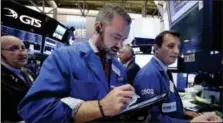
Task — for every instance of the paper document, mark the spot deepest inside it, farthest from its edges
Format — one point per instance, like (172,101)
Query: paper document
(135,98)
(145,103)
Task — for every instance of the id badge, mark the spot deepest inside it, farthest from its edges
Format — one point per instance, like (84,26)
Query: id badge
(169,107)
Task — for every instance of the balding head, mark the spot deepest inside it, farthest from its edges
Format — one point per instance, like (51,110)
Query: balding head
(127,48)
(7,39)
(126,54)
(13,51)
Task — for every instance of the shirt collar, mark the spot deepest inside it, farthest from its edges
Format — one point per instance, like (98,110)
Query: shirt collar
(161,64)
(127,63)
(15,70)
(93,47)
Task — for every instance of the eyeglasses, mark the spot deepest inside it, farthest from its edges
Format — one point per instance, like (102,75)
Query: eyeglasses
(16,49)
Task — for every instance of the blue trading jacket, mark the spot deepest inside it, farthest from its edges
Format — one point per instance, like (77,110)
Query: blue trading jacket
(73,71)
(152,80)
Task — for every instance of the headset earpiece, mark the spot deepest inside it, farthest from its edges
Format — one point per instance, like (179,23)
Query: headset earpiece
(98,30)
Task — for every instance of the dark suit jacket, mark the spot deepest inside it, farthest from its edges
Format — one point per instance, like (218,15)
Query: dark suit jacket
(132,70)
(13,90)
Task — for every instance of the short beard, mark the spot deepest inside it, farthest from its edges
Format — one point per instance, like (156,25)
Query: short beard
(102,48)
(111,53)
(100,44)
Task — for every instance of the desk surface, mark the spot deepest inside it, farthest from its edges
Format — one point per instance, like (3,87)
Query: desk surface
(191,104)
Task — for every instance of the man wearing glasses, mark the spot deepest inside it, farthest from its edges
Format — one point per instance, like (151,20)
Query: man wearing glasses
(15,80)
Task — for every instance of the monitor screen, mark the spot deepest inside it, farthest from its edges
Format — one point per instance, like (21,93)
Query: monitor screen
(190,28)
(32,41)
(59,32)
(180,81)
(177,8)
(50,45)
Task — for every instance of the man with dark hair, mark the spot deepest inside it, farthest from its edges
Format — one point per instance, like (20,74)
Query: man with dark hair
(76,83)
(159,39)
(15,79)
(127,57)
(153,79)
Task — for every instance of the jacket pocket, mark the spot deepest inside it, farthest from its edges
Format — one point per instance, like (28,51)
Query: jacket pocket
(85,90)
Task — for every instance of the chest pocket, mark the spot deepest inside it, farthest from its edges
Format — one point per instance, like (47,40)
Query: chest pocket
(85,90)
(116,78)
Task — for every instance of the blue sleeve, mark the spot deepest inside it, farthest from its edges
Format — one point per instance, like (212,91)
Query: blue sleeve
(43,101)
(147,86)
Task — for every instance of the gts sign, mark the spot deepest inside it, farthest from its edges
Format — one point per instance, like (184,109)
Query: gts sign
(24,18)
(30,21)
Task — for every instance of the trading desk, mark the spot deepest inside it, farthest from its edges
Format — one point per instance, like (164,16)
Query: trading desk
(191,104)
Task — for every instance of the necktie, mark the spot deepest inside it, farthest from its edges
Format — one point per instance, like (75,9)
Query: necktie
(26,78)
(169,74)
(172,86)
(106,63)
(106,66)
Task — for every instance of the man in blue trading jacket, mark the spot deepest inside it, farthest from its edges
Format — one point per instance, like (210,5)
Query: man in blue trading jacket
(74,84)
(153,79)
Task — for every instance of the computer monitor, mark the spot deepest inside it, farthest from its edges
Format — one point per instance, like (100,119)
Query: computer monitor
(178,8)
(180,81)
(59,32)
(50,45)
